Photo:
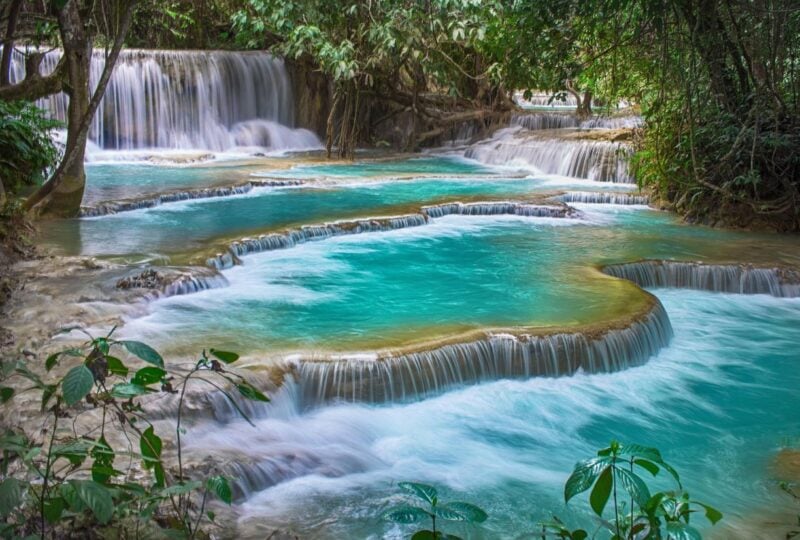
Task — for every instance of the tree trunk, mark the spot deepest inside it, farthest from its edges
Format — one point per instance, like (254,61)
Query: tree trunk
(586,105)
(8,45)
(61,195)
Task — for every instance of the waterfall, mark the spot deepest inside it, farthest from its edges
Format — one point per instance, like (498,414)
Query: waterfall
(308,233)
(591,160)
(590,197)
(496,356)
(546,120)
(114,207)
(541,99)
(496,208)
(730,278)
(188,99)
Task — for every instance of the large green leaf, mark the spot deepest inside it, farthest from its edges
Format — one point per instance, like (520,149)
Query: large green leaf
(144,351)
(219,486)
(422,491)
(584,475)
(406,514)
(712,514)
(115,366)
(250,392)
(150,446)
(97,498)
(634,485)
(148,375)
(76,384)
(127,390)
(53,508)
(601,491)
(10,496)
(225,356)
(466,511)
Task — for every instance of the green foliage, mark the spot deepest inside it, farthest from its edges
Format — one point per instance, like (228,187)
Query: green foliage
(26,150)
(49,492)
(614,475)
(455,511)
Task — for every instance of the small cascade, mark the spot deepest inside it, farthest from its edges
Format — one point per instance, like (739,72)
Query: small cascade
(591,160)
(728,278)
(497,356)
(214,100)
(496,208)
(541,99)
(115,207)
(539,121)
(308,233)
(591,197)
(612,122)
(192,283)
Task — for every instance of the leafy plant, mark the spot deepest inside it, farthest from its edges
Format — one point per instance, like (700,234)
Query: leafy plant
(433,509)
(613,476)
(70,479)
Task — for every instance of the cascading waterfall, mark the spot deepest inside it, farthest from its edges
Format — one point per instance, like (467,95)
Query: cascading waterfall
(308,233)
(114,207)
(591,197)
(546,100)
(591,160)
(544,120)
(495,209)
(730,278)
(494,357)
(188,99)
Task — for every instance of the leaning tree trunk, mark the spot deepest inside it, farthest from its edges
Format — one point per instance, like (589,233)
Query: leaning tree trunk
(64,199)
(61,195)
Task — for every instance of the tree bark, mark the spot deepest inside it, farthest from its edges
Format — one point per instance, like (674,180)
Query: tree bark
(8,44)
(61,195)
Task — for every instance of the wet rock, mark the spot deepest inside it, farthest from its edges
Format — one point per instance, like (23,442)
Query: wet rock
(147,279)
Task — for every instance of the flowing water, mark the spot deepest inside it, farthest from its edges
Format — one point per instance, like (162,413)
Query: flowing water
(471,319)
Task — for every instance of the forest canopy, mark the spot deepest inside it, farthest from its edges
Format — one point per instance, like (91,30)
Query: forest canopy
(716,81)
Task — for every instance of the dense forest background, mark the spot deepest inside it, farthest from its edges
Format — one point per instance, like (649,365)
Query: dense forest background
(716,81)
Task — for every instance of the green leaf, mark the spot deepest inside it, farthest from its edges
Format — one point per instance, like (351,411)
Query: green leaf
(712,514)
(103,465)
(148,375)
(638,450)
(225,356)
(51,361)
(469,512)
(47,393)
(181,489)
(97,498)
(250,392)
(77,384)
(6,393)
(144,351)
(150,446)
(422,491)
(406,514)
(219,486)
(70,495)
(127,390)
(10,496)
(601,491)
(681,531)
(634,486)
(584,475)
(649,466)
(53,508)
(116,366)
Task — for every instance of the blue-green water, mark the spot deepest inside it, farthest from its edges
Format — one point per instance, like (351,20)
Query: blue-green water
(719,401)
(458,273)
(389,167)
